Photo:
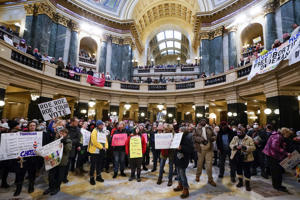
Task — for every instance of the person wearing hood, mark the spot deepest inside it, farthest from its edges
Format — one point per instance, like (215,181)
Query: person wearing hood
(242,147)
(135,149)
(97,147)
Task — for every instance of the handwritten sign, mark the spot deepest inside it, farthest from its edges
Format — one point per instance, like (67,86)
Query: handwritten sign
(55,108)
(52,154)
(290,163)
(163,140)
(101,137)
(176,141)
(135,147)
(20,144)
(86,135)
(119,139)
(145,136)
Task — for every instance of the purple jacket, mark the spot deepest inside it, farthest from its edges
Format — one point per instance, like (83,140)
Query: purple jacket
(275,147)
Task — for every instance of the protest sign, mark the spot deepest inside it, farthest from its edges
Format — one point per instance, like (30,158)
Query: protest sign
(55,108)
(86,135)
(101,137)
(145,136)
(272,59)
(135,147)
(163,140)
(119,139)
(294,57)
(52,154)
(176,141)
(20,144)
(290,163)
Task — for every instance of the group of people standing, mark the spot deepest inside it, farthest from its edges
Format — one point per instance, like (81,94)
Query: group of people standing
(247,148)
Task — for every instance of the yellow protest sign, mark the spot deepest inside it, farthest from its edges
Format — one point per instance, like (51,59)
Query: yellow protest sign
(135,147)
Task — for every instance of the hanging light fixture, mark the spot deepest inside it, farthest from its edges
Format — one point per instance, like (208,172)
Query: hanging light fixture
(34,96)
(92,103)
(127,106)
(234,114)
(142,114)
(160,107)
(2,103)
(199,115)
(229,114)
(267,111)
(170,115)
(276,111)
(194,107)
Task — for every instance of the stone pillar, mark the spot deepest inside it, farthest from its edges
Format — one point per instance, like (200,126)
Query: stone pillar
(204,53)
(60,41)
(270,24)
(102,56)
(52,42)
(81,110)
(239,116)
(73,47)
(216,59)
(33,109)
(297,11)
(284,112)
(287,15)
(109,56)
(199,113)
(226,51)
(29,29)
(143,114)
(232,50)
(2,100)
(114,110)
(172,111)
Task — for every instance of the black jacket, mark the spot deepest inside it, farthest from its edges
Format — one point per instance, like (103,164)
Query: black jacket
(219,141)
(74,135)
(186,149)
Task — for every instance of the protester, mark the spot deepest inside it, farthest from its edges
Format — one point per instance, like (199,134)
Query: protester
(155,152)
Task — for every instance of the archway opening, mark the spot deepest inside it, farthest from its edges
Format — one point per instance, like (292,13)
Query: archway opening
(88,50)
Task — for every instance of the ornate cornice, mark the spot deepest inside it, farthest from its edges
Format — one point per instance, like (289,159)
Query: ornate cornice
(233,29)
(281,2)
(270,7)
(212,34)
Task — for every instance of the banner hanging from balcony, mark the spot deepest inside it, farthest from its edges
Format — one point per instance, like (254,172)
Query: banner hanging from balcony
(294,57)
(272,59)
(96,80)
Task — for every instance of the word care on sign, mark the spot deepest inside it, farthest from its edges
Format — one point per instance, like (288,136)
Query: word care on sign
(86,135)
(290,163)
(167,140)
(55,108)
(135,147)
(52,154)
(20,144)
(119,139)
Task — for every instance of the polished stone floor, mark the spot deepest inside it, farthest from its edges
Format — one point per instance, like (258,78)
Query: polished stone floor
(79,188)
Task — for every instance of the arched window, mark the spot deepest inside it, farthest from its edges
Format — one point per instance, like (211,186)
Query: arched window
(88,50)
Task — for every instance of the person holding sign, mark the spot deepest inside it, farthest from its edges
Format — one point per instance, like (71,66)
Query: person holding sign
(97,147)
(119,138)
(56,174)
(135,149)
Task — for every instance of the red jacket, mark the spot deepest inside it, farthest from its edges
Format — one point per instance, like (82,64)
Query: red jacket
(144,144)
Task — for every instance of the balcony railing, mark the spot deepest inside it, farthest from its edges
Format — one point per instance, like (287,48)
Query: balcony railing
(66,74)
(187,69)
(216,80)
(165,70)
(144,71)
(244,72)
(185,85)
(26,60)
(107,84)
(157,87)
(87,60)
(130,86)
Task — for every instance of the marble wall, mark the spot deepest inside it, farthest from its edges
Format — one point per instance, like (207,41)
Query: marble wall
(60,41)
(216,53)
(270,27)
(73,48)
(297,11)
(121,67)
(232,50)
(287,17)
(28,29)
(102,57)
(204,52)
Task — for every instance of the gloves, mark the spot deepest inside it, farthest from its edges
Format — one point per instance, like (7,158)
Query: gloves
(244,148)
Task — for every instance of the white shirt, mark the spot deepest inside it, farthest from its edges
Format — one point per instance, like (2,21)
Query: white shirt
(204,132)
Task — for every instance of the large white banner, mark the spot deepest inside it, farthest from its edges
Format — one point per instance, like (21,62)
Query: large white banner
(167,140)
(294,57)
(55,108)
(20,144)
(271,60)
(86,135)
(52,153)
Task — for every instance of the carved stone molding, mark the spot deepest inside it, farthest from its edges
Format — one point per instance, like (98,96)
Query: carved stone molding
(212,34)
(233,29)
(270,7)
(283,2)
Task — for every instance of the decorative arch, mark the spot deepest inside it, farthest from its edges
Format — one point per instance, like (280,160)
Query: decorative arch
(89,45)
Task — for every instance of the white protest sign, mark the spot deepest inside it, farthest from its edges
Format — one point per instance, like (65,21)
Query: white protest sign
(86,135)
(272,59)
(290,163)
(294,57)
(20,144)
(52,154)
(55,108)
(163,140)
(101,137)
(176,141)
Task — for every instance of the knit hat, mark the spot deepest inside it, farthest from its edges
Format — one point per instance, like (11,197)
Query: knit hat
(99,122)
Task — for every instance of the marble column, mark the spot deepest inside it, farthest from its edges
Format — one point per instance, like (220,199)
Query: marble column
(270,25)
(204,53)
(2,96)
(288,115)
(127,71)
(67,45)
(171,110)
(60,41)
(73,48)
(226,51)
(108,56)
(232,50)
(200,113)
(102,57)
(239,116)
(143,117)
(52,42)
(29,29)
(33,109)
(287,16)
(216,55)
(297,11)
(114,108)
(79,110)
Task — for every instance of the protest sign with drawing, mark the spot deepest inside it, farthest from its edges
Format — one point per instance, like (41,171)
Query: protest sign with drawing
(55,108)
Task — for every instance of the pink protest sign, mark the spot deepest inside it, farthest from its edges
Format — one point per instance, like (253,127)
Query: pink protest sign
(119,139)
(145,136)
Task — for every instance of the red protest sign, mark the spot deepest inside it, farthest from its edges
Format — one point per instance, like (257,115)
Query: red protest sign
(119,139)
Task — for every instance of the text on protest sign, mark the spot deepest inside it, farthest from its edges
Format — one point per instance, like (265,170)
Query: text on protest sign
(135,147)
(290,163)
(101,137)
(176,141)
(86,135)
(20,144)
(163,140)
(55,108)
(52,154)
(119,139)
(294,57)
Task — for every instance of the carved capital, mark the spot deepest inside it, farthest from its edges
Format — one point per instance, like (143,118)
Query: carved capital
(204,36)
(30,9)
(283,2)
(73,25)
(233,29)
(270,7)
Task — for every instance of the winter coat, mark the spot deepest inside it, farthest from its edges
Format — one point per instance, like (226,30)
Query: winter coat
(66,151)
(127,145)
(248,143)
(275,147)
(219,141)
(94,145)
(199,139)
(75,135)
(186,150)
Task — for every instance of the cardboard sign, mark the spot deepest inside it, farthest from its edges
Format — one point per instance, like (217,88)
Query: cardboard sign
(101,137)
(163,140)
(52,154)
(145,136)
(86,135)
(20,144)
(176,141)
(119,139)
(135,147)
(55,108)
(290,163)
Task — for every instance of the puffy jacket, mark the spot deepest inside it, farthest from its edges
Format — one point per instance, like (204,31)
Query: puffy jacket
(248,143)
(94,144)
(275,147)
